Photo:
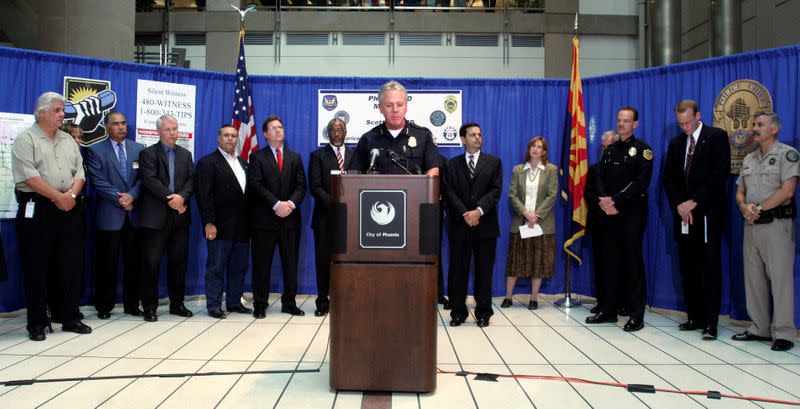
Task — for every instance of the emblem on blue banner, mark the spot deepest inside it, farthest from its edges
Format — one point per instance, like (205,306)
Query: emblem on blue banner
(733,111)
(449,133)
(450,104)
(438,118)
(329,102)
(88,103)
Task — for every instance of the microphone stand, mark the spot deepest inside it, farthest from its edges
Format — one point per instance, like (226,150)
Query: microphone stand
(393,156)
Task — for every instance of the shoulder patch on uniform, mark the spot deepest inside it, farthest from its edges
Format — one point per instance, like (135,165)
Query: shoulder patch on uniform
(792,156)
(648,154)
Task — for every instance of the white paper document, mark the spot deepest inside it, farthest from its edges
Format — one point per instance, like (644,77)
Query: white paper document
(526,232)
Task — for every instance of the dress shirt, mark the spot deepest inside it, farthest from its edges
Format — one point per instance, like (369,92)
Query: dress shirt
(236,167)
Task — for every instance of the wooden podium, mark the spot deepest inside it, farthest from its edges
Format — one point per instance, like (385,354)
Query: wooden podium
(383,282)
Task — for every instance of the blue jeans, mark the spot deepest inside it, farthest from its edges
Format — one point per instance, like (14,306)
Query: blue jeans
(230,256)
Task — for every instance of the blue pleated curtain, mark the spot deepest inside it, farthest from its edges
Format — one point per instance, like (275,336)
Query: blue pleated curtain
(510,113)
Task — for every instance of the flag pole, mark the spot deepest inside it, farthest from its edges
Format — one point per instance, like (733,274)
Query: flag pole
(567,301)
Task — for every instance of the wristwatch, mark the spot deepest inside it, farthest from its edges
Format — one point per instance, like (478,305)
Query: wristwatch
(73,195)
(759,208)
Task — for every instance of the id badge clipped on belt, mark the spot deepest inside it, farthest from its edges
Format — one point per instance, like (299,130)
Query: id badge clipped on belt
(29,208)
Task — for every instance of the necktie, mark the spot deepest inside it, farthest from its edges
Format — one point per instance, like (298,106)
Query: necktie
(280,160)
(688,167)
(123,161)
(171,169)
(339,157)
(471,167)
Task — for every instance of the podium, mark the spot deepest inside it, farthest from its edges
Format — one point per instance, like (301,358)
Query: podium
(383,282)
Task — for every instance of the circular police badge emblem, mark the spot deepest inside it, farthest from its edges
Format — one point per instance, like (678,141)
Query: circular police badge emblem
(632,151)
(449,133)
(772,161)
(450,104)
(344,116)
(648,154)
(329,102)
(325,134)
(792,156)
(733,112)
(438,118)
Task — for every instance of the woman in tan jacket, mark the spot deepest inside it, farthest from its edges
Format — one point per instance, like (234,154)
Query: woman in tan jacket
(534,187)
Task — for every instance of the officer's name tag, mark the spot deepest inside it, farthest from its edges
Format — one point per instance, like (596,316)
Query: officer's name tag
(29,207)
(684,228)
(336,172)
(135,164)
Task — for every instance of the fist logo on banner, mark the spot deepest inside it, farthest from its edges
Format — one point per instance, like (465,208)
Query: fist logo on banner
(88,103)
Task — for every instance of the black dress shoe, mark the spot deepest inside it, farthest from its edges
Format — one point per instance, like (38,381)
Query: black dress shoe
(442,300)
(747,336)
(133,311)
(259,312)
(36,334)
(601,318)
(710,333)
(690,325)
(104,315)
(533,305)
(633,325)
(216,313)
(506,303)
(782,345)
(180,310)
(77,327)
(483,322)
(319,312)
(150,315)
(595,309)
(241,309)
(447,305)
(293,310)
(456,321)
(622,312)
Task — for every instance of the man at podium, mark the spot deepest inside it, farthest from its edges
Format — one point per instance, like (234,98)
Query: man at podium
(396,146)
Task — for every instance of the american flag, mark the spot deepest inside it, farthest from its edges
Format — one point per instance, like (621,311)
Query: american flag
(243,119)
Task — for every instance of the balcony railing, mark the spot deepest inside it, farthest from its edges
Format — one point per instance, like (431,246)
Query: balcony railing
(534,6)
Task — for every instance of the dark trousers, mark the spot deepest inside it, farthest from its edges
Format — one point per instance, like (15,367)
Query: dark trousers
(51,250)
(225,258)
(322,254)
(264,243)
(461,252)
(701,275)
(599,277)
(173,239)
(624,277)
(108,244)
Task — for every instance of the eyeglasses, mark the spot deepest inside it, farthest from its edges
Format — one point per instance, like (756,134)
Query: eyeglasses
(275,128)
(336,130)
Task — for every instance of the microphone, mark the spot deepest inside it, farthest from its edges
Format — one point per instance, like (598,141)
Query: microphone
(398,160)
(373,156)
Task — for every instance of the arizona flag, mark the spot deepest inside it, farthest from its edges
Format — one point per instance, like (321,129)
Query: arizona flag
(578,157)
(243,119)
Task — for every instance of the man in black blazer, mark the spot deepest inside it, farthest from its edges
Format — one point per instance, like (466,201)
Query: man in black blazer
(332,157)
(167,173)
(221,182)
(472,189)
(697,165)
(276,186)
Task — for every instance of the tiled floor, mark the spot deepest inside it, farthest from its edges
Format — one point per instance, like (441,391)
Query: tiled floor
(286,363)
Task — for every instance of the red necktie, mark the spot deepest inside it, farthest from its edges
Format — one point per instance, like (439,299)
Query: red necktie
(280,160)
(689,155)
(339,158)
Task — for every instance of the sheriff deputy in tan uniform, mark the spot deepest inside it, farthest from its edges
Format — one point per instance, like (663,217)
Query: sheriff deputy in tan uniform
(765,197)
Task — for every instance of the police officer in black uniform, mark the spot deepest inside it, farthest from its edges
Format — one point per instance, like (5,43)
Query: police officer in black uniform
(621,185)
(397,146)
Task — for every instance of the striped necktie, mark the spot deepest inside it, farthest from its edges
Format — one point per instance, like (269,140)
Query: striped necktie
(339,158)
(471,167)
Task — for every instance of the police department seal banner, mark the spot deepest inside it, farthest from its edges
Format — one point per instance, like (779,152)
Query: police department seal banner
(382,219)
(733,112)
(88,103)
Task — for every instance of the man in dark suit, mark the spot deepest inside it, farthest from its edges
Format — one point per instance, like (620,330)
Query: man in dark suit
(113,166)
(221,182)
(332,157)
(697,165)
(472,189)
(595,221)
(276,186)
(167,173)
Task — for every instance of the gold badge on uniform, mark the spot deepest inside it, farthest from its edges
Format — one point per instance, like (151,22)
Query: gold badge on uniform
(632,151)
(412,142)
(648,154)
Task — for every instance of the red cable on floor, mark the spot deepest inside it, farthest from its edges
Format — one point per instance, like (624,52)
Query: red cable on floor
(638,388)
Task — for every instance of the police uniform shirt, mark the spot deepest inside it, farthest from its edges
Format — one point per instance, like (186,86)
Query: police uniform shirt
(625,172)
(415,143)
(762,175)
(59,162)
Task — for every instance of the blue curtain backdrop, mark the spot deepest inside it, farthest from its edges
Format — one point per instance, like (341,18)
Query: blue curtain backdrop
(510,113)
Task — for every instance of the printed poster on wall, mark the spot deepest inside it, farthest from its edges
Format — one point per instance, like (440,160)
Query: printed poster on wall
(155,98)
(11,125)
(437,110)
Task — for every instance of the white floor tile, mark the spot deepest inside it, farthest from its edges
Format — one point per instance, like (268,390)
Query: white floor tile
(746,384)
(471,345)
(172,340)
(444,348)
(632,345)
(265,389)
(210,342)
(99,336)
(290,344)
(348,400)
(548,393)
(595,347)
(599,396)
(689,378)
(553,347)
(688,353)
(513,347)
(150,392)
(249,344)
(133,339)
(451,392)
(205,391)
(308,390)
(637,374)
(505,393)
